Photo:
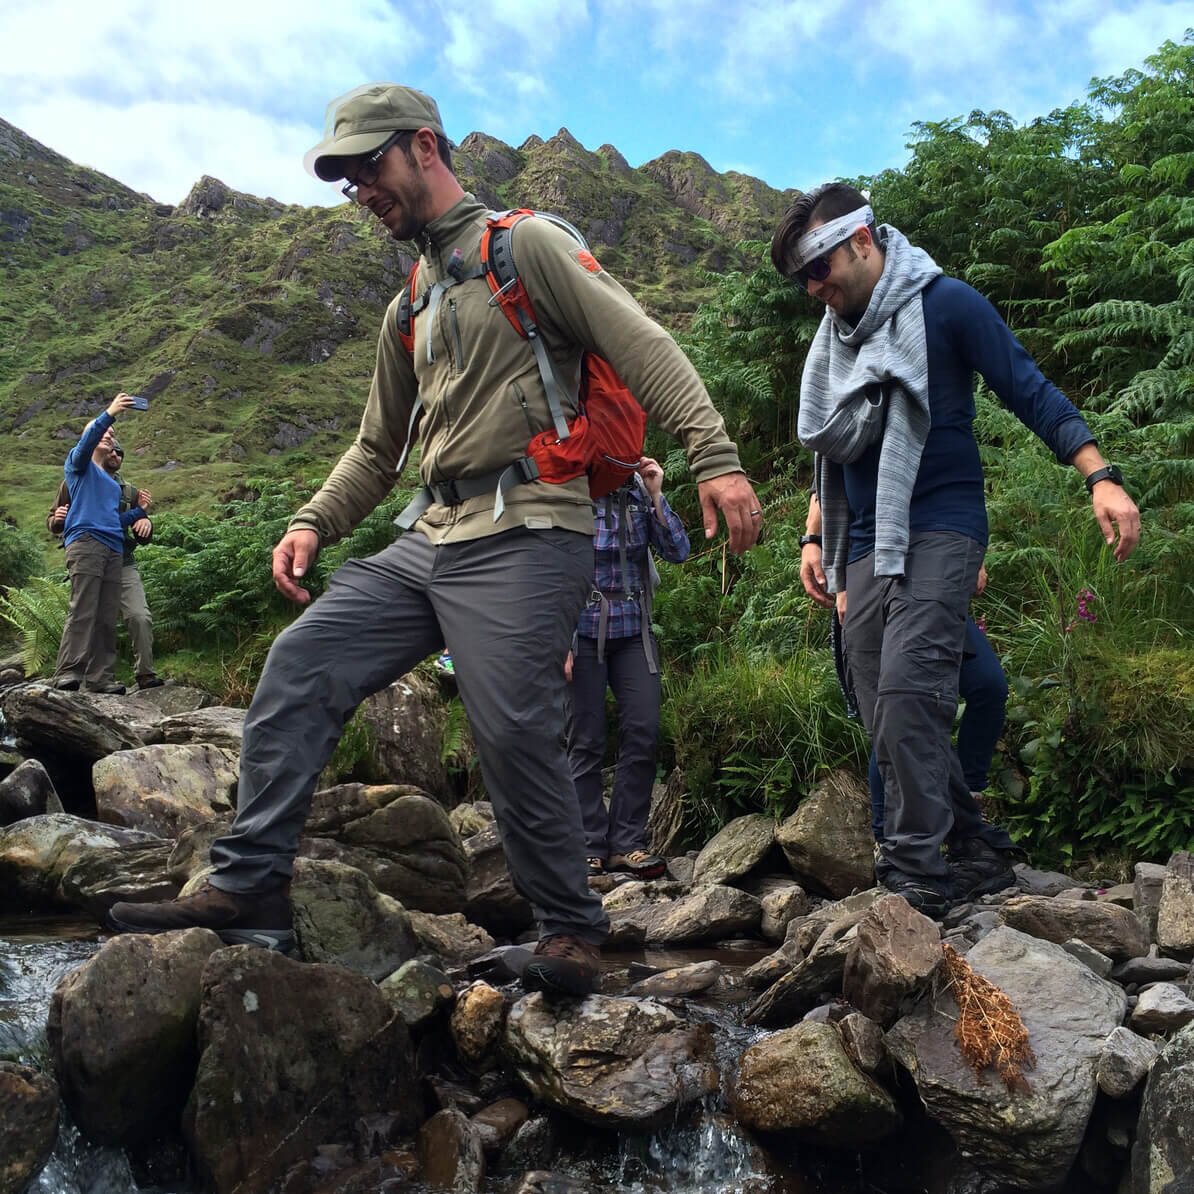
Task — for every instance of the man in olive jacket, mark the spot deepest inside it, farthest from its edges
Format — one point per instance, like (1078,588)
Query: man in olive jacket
(503,593)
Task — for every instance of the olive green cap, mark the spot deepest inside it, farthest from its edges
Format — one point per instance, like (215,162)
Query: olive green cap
(364,119)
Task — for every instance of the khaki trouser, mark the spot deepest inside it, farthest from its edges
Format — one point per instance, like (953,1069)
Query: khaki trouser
(87,652)
(138,621)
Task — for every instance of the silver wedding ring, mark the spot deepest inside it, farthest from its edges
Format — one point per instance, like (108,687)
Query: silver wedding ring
(756,513)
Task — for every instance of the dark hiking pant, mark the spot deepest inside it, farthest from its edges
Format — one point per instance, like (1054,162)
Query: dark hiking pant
(904,638)
(87,651)
(505,606)
(637,691)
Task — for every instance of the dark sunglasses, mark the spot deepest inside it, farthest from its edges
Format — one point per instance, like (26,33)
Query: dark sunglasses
(370,168)
(819,268)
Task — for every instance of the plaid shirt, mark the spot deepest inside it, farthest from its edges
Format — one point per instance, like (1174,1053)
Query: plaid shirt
(643,532)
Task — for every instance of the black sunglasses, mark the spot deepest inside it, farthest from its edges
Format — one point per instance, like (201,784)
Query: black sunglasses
(370,167)
(819,268)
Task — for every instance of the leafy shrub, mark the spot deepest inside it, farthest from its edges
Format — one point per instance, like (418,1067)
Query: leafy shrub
(20,556)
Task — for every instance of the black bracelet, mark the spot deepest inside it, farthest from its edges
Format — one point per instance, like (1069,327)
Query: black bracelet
(805,540)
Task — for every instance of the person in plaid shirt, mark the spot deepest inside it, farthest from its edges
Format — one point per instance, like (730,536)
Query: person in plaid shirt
(614,647)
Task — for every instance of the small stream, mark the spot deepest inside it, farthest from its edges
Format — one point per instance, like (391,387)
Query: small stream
(708,1154)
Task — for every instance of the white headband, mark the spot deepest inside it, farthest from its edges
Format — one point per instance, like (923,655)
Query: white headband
(820,240)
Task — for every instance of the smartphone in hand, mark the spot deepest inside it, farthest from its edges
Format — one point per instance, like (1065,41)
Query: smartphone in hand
(140,403)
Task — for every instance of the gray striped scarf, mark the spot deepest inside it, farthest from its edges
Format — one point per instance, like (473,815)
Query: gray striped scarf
(865,384)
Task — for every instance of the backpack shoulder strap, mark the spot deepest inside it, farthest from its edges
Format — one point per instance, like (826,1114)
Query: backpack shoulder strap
(408,308)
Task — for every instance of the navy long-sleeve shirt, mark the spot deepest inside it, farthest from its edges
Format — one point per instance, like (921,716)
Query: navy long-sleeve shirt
(964,335)
(94,493)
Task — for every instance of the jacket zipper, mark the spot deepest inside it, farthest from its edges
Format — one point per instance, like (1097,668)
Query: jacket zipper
(526,410)
(456,341)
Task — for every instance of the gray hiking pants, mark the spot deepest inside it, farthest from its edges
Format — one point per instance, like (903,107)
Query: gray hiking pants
(138,621)
(505,606)
(904,638)
(87,650)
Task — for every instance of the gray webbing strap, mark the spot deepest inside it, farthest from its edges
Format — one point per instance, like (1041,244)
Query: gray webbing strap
(414,511)
(602,624)
(415,411)
(551,381)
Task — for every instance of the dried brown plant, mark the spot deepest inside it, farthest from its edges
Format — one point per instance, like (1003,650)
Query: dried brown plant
(989,1029)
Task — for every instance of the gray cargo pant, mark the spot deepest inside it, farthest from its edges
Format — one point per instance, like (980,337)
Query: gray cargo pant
(87,651)
(505,606)
(904,638)
(138,621)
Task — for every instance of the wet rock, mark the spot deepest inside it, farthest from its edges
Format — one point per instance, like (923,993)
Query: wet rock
(708,913)
(121,1030)
(1149,970)
(400,838)
(450,936)
(166,789)
(408,719)
(894,954)
(1175,915)
(531,1147)
(477,1021)
(781,905)
(1147,884)
(543,1181)
(801,1080)
(863,1041)
(451,1153)
(1123,1063)
(1099,963)
(27,791)
(36,854)
(1112,931)
(217,725)
(498,1122)
(340,917)
(492,899)
(774,966)
(417,992)
(806,930)
(819,974)
(1163,1155)
(137,872)
(828,839)
(1026,1140)
(28,1124)
(735,849)
(617,1063)
(1042,883)
(89,725)
(291,1055)
(1162,1008)
(683,980)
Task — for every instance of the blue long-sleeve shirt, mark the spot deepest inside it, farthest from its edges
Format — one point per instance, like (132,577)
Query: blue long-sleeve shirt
(964,335)
(643,532)
(94,493)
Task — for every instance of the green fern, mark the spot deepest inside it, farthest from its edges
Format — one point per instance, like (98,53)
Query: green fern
(37,613)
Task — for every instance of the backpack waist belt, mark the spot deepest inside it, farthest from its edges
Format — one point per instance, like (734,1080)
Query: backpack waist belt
(461,489)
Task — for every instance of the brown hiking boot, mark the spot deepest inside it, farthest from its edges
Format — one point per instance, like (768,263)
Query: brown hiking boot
(236,917)
(638,863)
(562,964)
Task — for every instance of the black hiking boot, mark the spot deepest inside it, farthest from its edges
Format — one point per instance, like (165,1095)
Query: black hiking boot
(67,684)
(562,965)
(932,897)
(976,869)
(236,917)
(110,687)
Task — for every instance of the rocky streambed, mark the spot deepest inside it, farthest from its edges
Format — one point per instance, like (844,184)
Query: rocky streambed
(768,1019)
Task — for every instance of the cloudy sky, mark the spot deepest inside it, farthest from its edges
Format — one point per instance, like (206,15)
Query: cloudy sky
(793,91)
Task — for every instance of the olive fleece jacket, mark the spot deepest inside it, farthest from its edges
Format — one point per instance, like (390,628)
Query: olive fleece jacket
(482,395)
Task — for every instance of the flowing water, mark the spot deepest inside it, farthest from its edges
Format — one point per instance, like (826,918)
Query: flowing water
(707,1154)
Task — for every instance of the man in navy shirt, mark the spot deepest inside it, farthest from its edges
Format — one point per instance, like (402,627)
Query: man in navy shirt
(887,405)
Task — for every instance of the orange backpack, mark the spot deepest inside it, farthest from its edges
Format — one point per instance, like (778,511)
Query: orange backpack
(603,440)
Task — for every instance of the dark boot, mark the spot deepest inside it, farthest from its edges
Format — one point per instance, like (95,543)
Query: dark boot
(975,868)
(111,687)
(237,917)
(563,965)
(932,897)
(149,680)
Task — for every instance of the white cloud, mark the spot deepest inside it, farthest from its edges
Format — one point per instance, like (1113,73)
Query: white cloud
(1122,39)
(951,39)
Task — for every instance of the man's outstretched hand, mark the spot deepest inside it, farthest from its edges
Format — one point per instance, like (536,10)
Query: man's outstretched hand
(732,494)
(294,555)
(1113,507)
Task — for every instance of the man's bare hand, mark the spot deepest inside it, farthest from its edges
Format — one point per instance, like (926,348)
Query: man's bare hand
(142,528)
(121,402)
(1114,509)
(144,499)
(981,583)
(841,607)
(60,512)
(568,667)
(295,553)
(812,575)
(733,495)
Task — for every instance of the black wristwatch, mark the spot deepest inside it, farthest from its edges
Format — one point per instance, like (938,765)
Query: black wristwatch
(1107,473)
(805,540)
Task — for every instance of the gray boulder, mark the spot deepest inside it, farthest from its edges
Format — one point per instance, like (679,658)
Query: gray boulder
(165,789)
(492,899)
(28,1124)
(804,986)
(801,1080)
(217,725)
(451,1153)
(137,872)
(291,1055)
(1162,1008)
(121,1030)
(407,721)
(828,840)
(709,912)
(1123,1063)
(1175,915)
(88,725)
(617,1063)
(1148,879)
(1025,1139)
(27,791)
(1113,931)
(1163,1155)
(735,849)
